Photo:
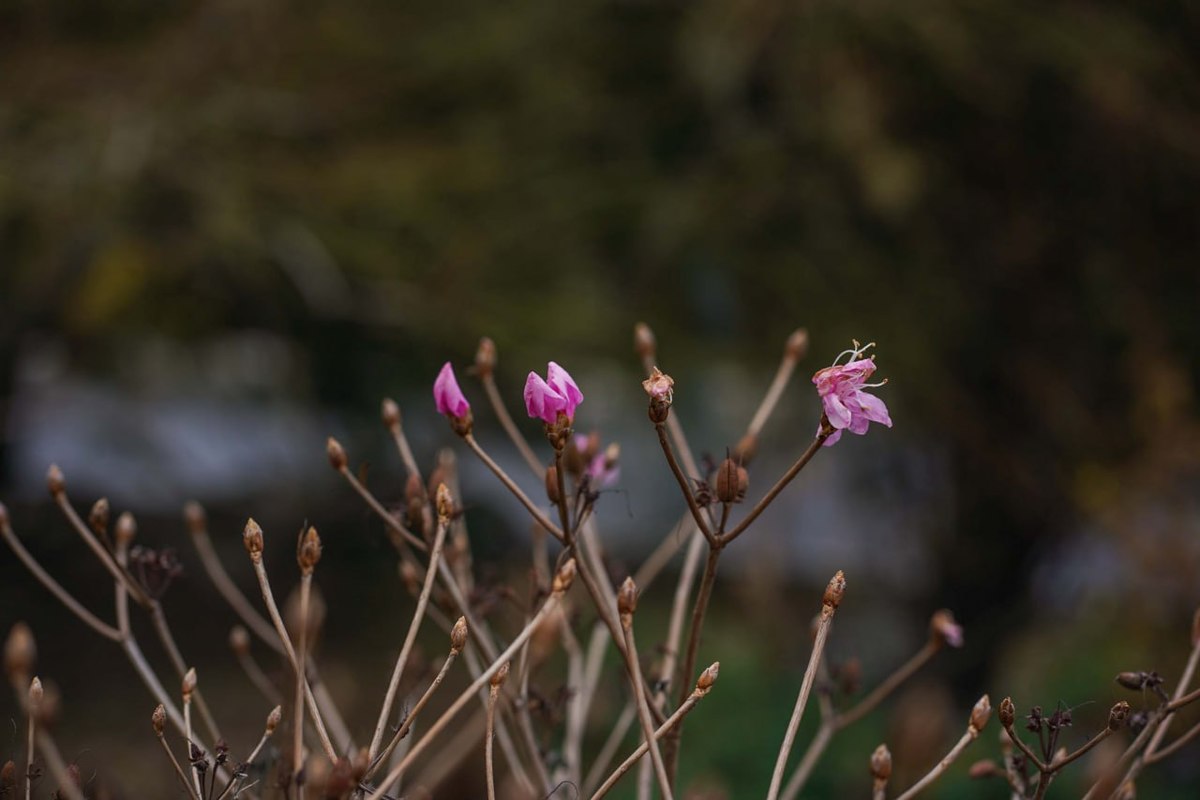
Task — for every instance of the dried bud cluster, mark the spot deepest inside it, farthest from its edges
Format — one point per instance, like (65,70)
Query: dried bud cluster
(308,551)
(881,765)
(458,635)
(708,677)
(661,389)
(252,539)
(732,482)
(627,597)
(564,577)
(835,590)
(336,453)
(980,714)
(1118,715)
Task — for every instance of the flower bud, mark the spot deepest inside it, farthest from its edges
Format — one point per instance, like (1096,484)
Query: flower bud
(273,719)
(126,530)
(881,764)
(643,341)
(56,482)
(445,503)
(732,482)
(708,677)
(389,412)
(194,518)
(797,344)
(20,653)
(564,577)
(980,714)
(308,551)
(336,453)
(1007,712)
(98,517)
(458,635)
(159,719)
(835,590)
(500,676)
(943,630)
(552,484)
(627,597)
(239,640)
(1118,715)
(188,684)
(36,692)
(252,539)
(485,357)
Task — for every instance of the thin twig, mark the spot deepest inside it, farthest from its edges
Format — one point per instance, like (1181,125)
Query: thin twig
(889,685)
(58,767)
(499,472)
(411,717)
(191,790)
(389,518)
(935,773)
(489,735)
(761,506)
(639,697)
(689,495)
(609,748)
(506,422)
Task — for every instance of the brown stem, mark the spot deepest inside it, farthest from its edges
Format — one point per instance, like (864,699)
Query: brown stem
(889,685)
(779,486)
(506,422)
(643,708)
(512,487)
(411,717)
(1024,748)
(388,517)
(688,494)
(942,765)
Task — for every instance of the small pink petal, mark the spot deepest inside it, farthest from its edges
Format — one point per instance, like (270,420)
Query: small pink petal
(560,380)
(836,410)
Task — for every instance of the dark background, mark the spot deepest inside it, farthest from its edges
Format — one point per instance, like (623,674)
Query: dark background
(227,231)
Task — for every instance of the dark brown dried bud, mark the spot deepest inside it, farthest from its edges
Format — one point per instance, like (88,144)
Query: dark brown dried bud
(308,551)
(336,453)
(643,341)
(708,677)
(564,577)
(56,482)
(8,776)
(797,344)
(252,539)
(194,518)
(239,640)
(126,530)
(98,517)
(1132,680)
(188,684)
(458,635)
(627,597)
(1007,712)
(500,676)
(835,590)
(552,484)
(159,719)
(389,412)
(1118,715)
(985,768)
(485,357)
(980,714)
(732,482)
(273,719)
(445,503)
(20,653)
(881,763)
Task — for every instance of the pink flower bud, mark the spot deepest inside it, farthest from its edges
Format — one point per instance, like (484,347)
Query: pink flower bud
(544,399)
(449,398)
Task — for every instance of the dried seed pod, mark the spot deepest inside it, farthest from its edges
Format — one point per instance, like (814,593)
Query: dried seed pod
(747,448)
(984,768)
(308,551)
(188,685)
(732,482)
(943,630)
(1007,712)
(445,503)
(252,538)
(3,516)
(36,692)
(336,453)
(1118,715)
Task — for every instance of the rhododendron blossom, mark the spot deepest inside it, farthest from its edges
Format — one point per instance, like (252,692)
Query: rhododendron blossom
(544,399)
(846,405)
(447,396)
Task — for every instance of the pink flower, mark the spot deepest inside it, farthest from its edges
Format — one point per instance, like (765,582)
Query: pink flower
(447,396)
(544,399)
(604,470)
(847,406)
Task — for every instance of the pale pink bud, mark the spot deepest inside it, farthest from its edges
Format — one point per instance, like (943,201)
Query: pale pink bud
(449,399)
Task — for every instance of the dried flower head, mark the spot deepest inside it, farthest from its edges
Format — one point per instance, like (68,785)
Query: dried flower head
(188,684)
(660,386)
(445,503)
(1007,712)
(846,405)
(252,539)
(458,635)
(36,692)
(557,394)
(1118,715)
(797,344)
